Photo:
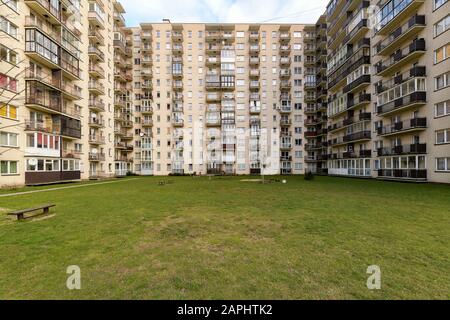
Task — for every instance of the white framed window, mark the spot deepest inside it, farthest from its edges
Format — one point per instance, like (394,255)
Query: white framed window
(443,164)
(442,109)
(443,136)
(8,139)
(8,167)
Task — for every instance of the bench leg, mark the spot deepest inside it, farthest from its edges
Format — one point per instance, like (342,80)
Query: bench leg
(20,216)
(45,210)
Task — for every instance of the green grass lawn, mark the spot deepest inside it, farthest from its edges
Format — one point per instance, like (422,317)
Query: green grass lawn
(224,238)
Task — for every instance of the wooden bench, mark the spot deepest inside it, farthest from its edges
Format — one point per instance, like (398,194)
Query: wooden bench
(20,213)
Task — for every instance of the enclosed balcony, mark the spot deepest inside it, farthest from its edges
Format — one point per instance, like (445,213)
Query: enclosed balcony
(394,11)
(408,174)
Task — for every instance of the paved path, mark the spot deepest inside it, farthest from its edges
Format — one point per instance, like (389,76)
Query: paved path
(61,188)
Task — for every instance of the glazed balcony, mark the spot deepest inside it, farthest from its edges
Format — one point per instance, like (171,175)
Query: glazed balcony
(213,61)
(254,49)
(403,174)
(254,73)
(43,25)
(399,12)
(146,110)
(285,73)
(411,125)
(417,148)
(146,73)
(401,58)
(213,119)
(416,71)
(400,35)
(255,109)
(254,85)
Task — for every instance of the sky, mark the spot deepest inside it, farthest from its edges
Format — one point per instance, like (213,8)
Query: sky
(223,11)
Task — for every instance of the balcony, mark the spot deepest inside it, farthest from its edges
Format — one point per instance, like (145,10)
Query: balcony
(285,61)
(285,122)
(96,37)
(96,123)
(402,34)
(357,136)
(254,60)
(96,71)
(213,119)
(357,84)
(401,58)
(96,88)
(146,110)
(95,19)
(254,49)
(255,109)
(398,12)
(254,73)
(96,139)
(96,105)
(407,174)
(417,148)
(96,54)
(254,85)
(177,48)
(47,9)
(409,101)
(411,125)
(285,85)
(95,156)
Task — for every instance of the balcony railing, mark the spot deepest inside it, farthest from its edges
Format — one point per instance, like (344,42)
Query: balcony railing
(413,174)
(417,148)
(401,57)
(402,126)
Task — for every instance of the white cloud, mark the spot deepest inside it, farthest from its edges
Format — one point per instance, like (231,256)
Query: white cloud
(276,11)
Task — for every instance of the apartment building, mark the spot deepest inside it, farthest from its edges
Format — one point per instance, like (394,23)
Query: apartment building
(57,90)
(388,89)
(219,98)
(363,93)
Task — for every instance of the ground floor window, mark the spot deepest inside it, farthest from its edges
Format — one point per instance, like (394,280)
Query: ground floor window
(443,164)
(42,164)
(71,165)
(8,167)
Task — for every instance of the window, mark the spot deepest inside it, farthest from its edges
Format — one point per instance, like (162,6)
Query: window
(442,81)
(8,83)
(240,34)
(439,3)
(8,139)
(442,53)
(442,26)
(443,136)
(11,3)
(8,55)
(442,109)
(443,164)
(7,27)
(8,167)
(8,111)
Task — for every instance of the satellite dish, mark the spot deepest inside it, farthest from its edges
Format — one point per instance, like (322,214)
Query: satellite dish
(142,134)
(32,161)
(94,151)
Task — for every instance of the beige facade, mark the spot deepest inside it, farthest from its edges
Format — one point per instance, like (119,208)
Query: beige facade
(213,98)
(362,93)
(386,96)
